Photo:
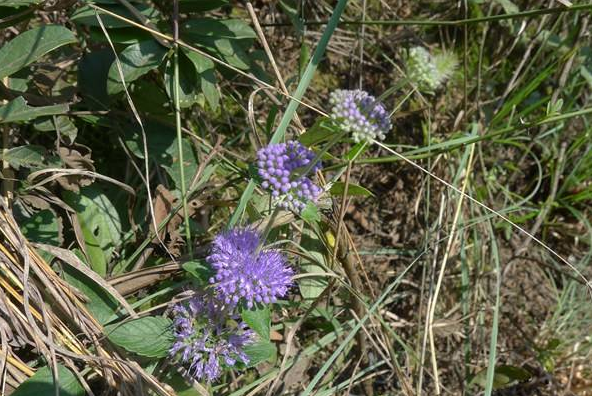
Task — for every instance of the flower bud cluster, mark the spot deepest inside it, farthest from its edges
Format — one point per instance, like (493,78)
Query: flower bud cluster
(360,114)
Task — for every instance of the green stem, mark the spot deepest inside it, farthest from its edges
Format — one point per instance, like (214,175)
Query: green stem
(179,128)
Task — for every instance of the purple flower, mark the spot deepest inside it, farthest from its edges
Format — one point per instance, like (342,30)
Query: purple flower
(204,340)
(360,113)
(244,272)
(281,167)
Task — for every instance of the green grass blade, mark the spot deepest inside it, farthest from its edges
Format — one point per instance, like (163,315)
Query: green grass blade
(295,100)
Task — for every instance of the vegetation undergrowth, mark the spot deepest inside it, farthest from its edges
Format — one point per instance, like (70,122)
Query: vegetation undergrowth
(378,197)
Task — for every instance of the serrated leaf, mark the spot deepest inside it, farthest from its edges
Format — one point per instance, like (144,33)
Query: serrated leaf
(31,45)
(260,352)
(258,318)
(26,156)
(311,213)
(18,110)
(42,384)
(352,190)
(136,60)
(151,336)
(200,270)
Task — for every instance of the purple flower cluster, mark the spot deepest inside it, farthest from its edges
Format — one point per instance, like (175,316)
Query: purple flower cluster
(281,167)
(205,340)
(243,271)
(360,113)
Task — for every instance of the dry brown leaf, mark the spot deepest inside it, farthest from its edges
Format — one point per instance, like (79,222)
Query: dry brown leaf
(76,157)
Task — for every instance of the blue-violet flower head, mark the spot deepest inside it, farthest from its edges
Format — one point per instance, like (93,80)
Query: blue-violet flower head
(204,339)
(244,272)
(360,114)
(281,167)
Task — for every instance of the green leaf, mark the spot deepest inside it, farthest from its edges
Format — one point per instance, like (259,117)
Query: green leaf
(229,38)
(352,190)
(31,45)
(136,60)
(207,76)
(258,318)
(86,15)
(218,28)
(18,110)
(188,81)
(62,124)
(260,352)
(322,130)
(93,71)
(42,384)
(42,227)
(201,5)
(311,288)
(19,3)
(311,213)
(100,223)
(504,376)
(150,336)
(200,270)
(27,156)
(189,163)
(100,303)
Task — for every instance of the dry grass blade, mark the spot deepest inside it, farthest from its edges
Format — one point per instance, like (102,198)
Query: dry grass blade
(40,310)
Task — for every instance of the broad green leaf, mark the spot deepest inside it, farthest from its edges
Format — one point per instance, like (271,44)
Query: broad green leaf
(311,213)
(189,84)
(322,130)
(136,60)
(93,70)
(100,303)
(206,72)
(96,256)
(31,45)
(86,15)
(27,156)
(229,38)
(311,288)
(218,28)
(504,376)
(42,384)
(189,163)
(200,270)
(150,336)
(260,352)
(201,5)
(18,110)
(352,190)
(258,318)
(62,124)
(42,227)
(99,220)
(18,3)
